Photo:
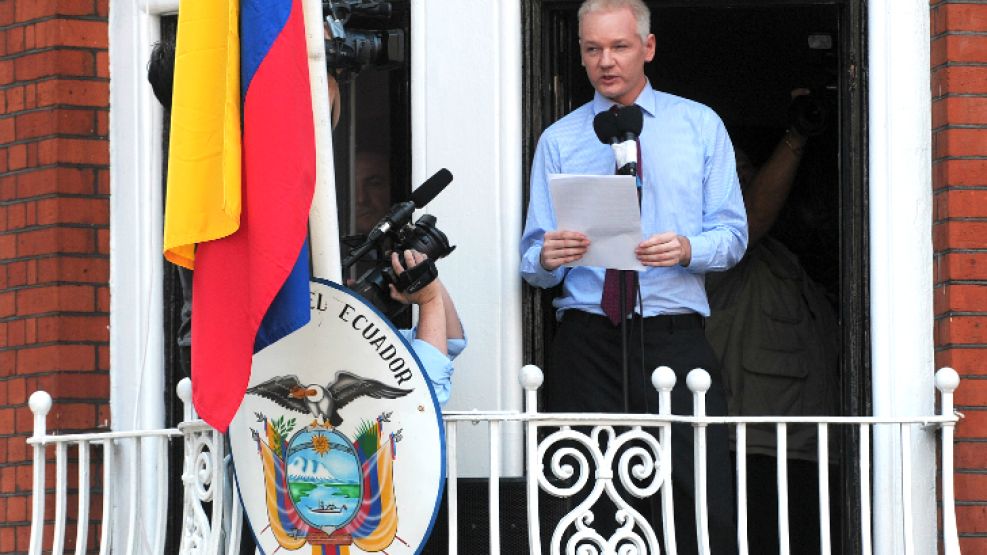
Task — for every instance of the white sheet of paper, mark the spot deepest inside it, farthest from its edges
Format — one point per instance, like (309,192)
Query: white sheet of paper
(605,209)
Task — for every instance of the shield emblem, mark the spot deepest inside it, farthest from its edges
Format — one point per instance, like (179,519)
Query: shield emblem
(339,443)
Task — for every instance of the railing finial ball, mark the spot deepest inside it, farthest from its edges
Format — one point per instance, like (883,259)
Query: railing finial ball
(698,380)
(184,390)
(663,378)
(531,377)
(40,403)
(947,380)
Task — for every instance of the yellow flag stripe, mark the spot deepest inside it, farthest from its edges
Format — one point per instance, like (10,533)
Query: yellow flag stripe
(203,194)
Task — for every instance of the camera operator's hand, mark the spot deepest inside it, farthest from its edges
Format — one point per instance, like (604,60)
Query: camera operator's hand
(426,294)
(437,316)
(807,113)
(772,182)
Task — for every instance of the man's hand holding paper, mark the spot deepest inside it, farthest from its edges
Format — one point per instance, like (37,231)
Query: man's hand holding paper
(602,222)
(562,248)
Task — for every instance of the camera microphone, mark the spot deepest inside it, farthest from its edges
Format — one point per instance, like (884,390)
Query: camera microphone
(431,188)
(400,214)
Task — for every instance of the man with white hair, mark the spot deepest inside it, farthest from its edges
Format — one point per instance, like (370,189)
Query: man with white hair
(693,218)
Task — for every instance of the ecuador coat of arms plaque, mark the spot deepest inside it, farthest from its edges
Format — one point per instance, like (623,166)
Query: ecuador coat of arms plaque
(338,445)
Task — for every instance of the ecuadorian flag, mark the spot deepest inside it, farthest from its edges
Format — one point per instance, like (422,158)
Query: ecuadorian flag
(238,201)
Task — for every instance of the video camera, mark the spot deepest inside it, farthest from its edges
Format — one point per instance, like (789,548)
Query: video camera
(395,232)
(348,50)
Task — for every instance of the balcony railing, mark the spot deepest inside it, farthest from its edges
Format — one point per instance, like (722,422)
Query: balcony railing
(574,457)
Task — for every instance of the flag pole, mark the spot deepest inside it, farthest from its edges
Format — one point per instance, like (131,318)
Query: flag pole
(323,225)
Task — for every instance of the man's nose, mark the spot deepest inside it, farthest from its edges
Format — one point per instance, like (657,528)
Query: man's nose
(606,58)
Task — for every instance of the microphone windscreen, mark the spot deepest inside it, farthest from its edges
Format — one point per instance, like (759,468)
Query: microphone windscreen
(630,120)
(431,188)
(605,125)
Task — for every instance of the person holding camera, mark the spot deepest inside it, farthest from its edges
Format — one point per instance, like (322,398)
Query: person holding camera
(438,338)
(777,337)
(693,216)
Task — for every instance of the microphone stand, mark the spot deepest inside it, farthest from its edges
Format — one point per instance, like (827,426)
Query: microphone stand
(629,169)
(616,127)
(624,364)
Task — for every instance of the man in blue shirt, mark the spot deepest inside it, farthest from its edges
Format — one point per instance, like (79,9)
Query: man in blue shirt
(694,222)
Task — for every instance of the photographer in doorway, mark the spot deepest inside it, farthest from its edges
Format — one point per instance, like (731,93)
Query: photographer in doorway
(777,337)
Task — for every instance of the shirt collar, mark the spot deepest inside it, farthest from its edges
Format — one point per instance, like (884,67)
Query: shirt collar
(646,100)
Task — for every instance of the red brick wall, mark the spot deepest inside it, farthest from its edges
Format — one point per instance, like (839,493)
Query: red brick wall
(959,139)
(54,241)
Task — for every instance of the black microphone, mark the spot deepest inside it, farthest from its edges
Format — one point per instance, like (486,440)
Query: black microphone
(431,188)
(619,128)
(401,212)
(630,121)
(605,125)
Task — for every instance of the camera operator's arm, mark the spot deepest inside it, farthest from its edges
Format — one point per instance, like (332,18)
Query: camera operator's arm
(439,336)
(770,187)
(438,320)
(454,328)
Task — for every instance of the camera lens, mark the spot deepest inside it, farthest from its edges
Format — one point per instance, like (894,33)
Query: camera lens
(807,114)
(428,239)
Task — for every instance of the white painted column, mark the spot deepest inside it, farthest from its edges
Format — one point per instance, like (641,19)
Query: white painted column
(466,116)
(901,261)
(136,264)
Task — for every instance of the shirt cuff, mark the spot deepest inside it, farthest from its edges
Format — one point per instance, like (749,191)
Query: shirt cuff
(438,368)
(456,346)
(533,272)
(702,254)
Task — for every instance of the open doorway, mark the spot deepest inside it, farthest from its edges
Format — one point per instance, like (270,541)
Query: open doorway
(743,59)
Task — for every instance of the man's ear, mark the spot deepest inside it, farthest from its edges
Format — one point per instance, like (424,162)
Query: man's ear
(649,45)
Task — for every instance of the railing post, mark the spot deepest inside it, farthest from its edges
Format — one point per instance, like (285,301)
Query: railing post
(947,380)
(531,380)
(452,487)
(781,477)
(663,379)
(184,390)
(699,383)
(40,403)
(822,454)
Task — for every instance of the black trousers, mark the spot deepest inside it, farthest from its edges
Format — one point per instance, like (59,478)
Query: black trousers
(585,375)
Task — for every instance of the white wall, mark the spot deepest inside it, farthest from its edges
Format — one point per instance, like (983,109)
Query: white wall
(901,261)
(466,116)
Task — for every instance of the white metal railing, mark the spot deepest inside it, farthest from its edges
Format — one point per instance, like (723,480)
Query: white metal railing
(616,455)
(208,493)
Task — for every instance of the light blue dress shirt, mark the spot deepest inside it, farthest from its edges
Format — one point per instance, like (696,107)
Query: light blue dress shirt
(437,366)
(690,186)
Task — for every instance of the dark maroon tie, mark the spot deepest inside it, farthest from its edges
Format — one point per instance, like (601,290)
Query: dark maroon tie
(610,301)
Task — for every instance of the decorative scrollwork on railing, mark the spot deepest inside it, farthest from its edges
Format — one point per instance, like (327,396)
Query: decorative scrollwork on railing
(202,478)
(634,456)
